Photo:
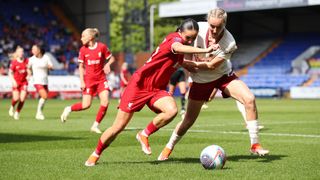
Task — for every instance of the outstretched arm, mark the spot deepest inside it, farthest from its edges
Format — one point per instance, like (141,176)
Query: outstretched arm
(184,49)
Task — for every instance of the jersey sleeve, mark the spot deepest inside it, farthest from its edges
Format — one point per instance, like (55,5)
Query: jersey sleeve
(106,52)
(174,40)
(81,56)
(49,61)
(12,66)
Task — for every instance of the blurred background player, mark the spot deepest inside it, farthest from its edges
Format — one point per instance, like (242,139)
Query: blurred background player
(18,75)
(40,64)
(124,77)
(179,78)
(148,86)
(94,64)
(216,72)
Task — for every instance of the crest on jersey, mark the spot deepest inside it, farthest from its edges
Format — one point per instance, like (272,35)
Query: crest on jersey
(177,39)
(130,105)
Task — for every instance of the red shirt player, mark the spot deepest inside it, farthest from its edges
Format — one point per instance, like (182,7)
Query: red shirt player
(18,76)
(148,86)
(93,69)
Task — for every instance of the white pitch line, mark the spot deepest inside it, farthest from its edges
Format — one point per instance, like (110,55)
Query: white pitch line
(236,132)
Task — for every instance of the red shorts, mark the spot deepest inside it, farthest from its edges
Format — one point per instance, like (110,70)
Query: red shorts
(41,86)
(134,98)
(97,88)
(21,86)
(202,91)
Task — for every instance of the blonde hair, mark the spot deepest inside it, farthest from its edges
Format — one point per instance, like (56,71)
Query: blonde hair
(218,13)
(93,32)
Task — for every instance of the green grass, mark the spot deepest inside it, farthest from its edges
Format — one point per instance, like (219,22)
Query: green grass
(31,149)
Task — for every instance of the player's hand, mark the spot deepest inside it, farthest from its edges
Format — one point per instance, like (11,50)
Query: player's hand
(212,48)
(82,85)
(190,66)
(106,69)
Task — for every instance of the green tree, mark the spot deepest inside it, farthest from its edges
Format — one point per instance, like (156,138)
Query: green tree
(127,30)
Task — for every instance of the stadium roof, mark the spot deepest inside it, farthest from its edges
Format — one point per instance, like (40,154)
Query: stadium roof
(199,7)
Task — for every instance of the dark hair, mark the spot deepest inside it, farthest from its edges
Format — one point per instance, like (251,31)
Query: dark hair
(42,50)
(189,24)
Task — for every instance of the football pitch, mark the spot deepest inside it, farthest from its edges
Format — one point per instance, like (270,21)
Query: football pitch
(32,149)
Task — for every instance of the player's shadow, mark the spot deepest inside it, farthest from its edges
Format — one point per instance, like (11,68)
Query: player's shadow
(266,159)
(20,138)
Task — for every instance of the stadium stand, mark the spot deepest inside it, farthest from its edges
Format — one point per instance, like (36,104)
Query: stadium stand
(29,22)
(274,70)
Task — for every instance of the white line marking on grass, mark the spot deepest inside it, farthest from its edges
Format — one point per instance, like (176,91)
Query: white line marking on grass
(236,132)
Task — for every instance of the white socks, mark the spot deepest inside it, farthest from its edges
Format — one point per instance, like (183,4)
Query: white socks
(253,131)
(174,139)
(40,105)
(95,124)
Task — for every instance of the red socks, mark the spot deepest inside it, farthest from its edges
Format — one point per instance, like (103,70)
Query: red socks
(76,107)
(101,113)
(20,105)
(100,147)
(13,102)
(150,129)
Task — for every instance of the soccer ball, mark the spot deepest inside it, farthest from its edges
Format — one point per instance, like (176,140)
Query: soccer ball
(213,157)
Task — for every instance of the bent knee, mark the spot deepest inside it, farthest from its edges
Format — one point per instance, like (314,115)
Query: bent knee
(86,106)
(172,111)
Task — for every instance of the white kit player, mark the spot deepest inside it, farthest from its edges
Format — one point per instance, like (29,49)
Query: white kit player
(40,64)
(215,71)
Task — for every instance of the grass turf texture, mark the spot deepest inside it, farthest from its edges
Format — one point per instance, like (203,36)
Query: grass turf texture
(32,149)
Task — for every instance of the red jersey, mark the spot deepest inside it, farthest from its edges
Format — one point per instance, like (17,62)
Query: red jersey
(94,61)
(156,72)
(19,70)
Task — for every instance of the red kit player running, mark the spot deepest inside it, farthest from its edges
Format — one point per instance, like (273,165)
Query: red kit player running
(18,75)
(94,63)
(148,86)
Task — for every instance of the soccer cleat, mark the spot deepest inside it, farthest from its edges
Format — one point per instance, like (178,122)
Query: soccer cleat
(11,111)
(96,130)
(16,115)
(164,154)
(65,114)
(92,160)
(144,143)
(257,149)
(40,116)
(204,106)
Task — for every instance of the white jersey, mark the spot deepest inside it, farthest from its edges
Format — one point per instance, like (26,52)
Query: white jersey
(227,47)
(39,68)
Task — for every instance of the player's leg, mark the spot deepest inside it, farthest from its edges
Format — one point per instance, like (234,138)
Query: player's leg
(167,107)
(14,101)
(109,135)
(104,102)
(242,110)
(240,91)
(193,110)
(23,95)
(79,106)
(43,92)
(183,90)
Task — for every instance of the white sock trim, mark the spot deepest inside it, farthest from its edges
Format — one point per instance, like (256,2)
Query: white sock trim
(174,139)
